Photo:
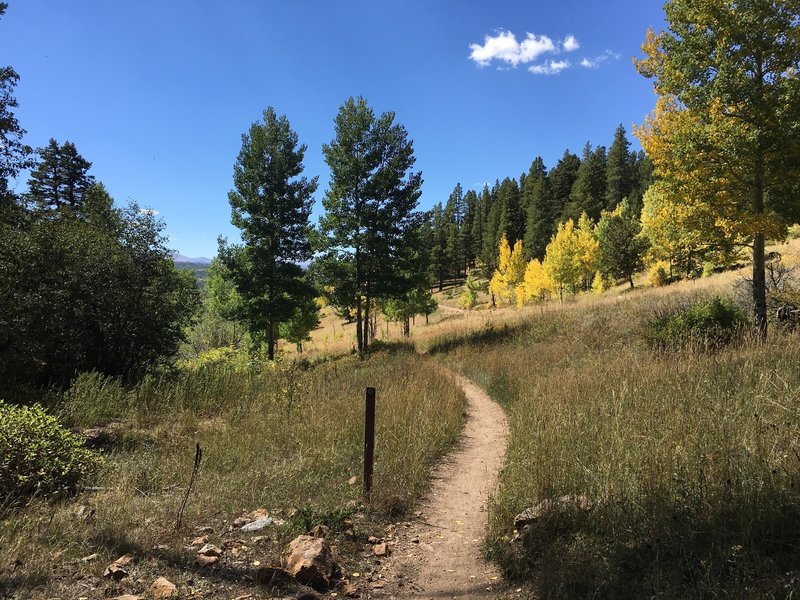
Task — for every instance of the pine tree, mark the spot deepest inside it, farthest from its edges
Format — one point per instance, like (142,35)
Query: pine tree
(271,203)
(561,179)
(454,218)
(621,247)
(60,177)
(472,208)
(541,210)
(438,246)
(511,220)
(589,190)
(619,175)
(369,210)
(14,155)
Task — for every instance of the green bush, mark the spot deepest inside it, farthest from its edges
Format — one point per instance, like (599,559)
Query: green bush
(38,456)
(708,325)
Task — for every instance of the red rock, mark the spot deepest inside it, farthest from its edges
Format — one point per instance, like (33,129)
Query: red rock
(310,561)
(210,550)
(206,561)
(163,589)
(199,541)
(381,549)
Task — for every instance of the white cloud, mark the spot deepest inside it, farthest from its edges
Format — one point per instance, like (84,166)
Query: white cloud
(571,43)
(550,67)
(504,47)
(593,63)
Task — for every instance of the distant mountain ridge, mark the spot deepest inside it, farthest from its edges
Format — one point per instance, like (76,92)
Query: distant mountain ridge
(181,259)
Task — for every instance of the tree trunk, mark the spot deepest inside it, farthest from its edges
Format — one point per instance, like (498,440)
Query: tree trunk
(271,341)
(759,271)
(359,340)
(365,336)
(630,279)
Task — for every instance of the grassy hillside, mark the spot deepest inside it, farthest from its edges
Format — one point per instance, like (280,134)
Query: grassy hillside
(685,465)
(287,439)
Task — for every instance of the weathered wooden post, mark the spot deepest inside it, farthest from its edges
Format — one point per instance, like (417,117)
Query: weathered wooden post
(369,442)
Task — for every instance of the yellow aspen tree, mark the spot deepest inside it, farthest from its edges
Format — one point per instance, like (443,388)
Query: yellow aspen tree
(588,250)
(499,288)
(537,285)
(724,131)
(516,266)
(562,259)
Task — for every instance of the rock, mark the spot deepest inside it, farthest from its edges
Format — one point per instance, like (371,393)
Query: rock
(351,590)
(259,513)
(127,597)
(381,549)
(124,560)
(241,521)
(199,541)
(258,524)
(115,572)
(210,550)
(372,539)
(310,561)
(534,513)
(320,531)
(353,480)
(206,560)
(163,589)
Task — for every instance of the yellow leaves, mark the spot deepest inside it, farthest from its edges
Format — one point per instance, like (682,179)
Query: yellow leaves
(516,266)
(499,288)
(509,274)
(537,283)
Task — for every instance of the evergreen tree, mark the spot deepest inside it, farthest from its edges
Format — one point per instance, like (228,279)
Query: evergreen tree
(471,207)
(454,218)
(642,169)
(511,220)
(479,223)
(438,246)
(271,203)
(621,247)
(619,170)
(491,232)
(541,210)
(561,179)
(589,190)
(369,210)
(60,177)
(14,155)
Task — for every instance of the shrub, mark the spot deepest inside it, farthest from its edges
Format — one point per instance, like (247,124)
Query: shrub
(38,456)
(659,274)
(709,324)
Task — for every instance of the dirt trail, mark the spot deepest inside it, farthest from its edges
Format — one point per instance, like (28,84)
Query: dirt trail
(438,555)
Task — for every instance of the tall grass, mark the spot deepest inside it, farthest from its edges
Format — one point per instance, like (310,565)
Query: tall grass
(287,439)
(691,459)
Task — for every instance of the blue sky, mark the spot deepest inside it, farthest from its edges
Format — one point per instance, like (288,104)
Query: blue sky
(156,94)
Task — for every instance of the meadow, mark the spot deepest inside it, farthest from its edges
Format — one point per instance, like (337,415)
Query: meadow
(285,438)
(678,470)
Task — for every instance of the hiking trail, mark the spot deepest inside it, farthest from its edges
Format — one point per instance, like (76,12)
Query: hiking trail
(439,553)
